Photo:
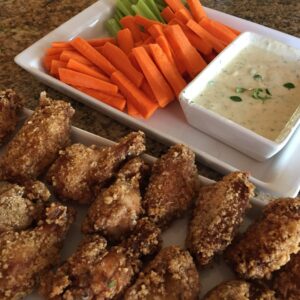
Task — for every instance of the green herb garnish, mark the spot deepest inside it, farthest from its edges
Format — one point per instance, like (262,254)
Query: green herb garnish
(289,85)
(111,284)
(261,94)
(257,77)
(268,92)
(236,98)
(240,90)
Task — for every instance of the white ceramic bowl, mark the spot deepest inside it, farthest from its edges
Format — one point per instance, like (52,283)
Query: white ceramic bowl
(227,131)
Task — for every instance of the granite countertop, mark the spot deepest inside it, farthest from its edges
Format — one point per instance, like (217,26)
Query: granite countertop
(24,22)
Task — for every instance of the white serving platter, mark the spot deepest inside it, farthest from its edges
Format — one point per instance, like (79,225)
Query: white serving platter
(279,175)
(175,235)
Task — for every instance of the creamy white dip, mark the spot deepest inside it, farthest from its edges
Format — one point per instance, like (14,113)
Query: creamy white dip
(256,68)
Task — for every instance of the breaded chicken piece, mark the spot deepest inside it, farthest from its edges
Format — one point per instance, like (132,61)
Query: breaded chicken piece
(95,272)
(173,185)
(171,275)
(268,244)
(240,290)
(79,168)
(218,213)
(116,210)
(10,105)
(26,254)
(287,280)
(20,205)
(37,143)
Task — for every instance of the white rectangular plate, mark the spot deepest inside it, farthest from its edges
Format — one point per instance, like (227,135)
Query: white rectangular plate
(279,175)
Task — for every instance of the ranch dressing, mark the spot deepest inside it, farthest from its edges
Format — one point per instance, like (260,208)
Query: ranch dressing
(252,69)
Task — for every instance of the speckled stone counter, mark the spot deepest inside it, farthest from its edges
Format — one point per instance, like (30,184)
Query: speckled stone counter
(24,22)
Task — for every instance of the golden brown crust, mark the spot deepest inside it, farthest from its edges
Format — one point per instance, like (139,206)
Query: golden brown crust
(115,211)
(268,243)
(171,275)
(37,143)
(26,254)
(287,280)
(218,213)
(240,290)
(10,104)
(80,169)
(173,185)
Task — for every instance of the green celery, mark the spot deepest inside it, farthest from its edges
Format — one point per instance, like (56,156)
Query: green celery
(112,26)
(161,2)
(118,14)
(123,8)
(146,11)
(153,7)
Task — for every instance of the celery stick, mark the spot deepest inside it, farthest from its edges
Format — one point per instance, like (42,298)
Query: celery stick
(122,7)
(146,11)
(112,26)
(118,14)
(136,10)
(128,4)
(161,2)
(160,7)
(152,5)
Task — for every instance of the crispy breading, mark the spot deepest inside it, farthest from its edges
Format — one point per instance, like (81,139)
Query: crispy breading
(218,213)
(26,254)
(20,205)
(10,105)
(115,211)
(95,272)
(287,280)
(173,185)
(171,275)
(268,244)
(79,169)
(37,143)
(240,290)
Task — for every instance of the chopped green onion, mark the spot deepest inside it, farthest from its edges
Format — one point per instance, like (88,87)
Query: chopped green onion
(289,85)
(257,77)
(236,98)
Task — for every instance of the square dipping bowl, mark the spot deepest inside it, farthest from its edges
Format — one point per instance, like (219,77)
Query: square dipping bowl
(221,103)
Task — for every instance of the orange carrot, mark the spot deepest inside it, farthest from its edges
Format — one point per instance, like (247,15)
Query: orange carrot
(83,47)
(55,65)
(47,59)
(183,15)
(201,32)
(181,45)
(175,5)
(82,68)
(232,29)
(208,58)
(68,54)
(149,40)
(125,40)
(164,44)
(155,30)
(144,35)
(61,45)
(78,79)
(168,69)
(133,94)
(160,88)
(122,63)
(117,101)
(147,90)
(132,111)
(98,42)
(142,21)
(53,51)
(218,30)
(128,22)
(167,14)
(197,9)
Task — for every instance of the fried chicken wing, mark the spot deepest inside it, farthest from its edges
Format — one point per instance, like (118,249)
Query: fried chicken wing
(287,280)
(240,290)
(24,255)
(173,185)
(10,104)
(37,143)
(217,215)
(20,205)
(95,272)
(268,243)
(115,211)
(79,169)
(171,275)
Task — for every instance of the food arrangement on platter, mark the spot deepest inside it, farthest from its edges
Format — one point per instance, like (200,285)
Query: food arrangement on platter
(131,203)
(156,50)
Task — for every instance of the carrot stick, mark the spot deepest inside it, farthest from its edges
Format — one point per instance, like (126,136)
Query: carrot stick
(147,90)
(132,111)
(117,102)
(145,36)
(142,21)
(167,14)
(175,5)
(55,65)
(181,45)
(201,32)
(93,55)
(232,29)
(61,45)
(164,44)
(122,63)
(67,55)
(82,68)
(197,9)
(183,15)
(133,94)
(208,58)
(218,30)
(128,22)
(47,59)
(125,40)
(53,51)
(149,40)
(155,30)
(78,79)
(168,69)
(93,42)
(160,88)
